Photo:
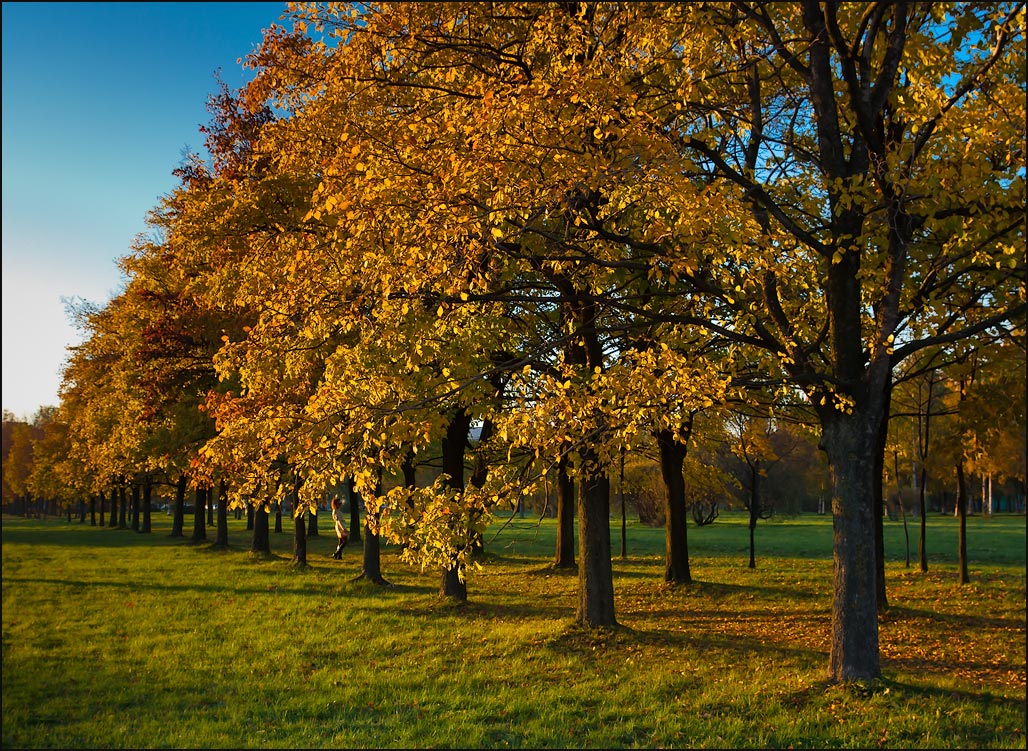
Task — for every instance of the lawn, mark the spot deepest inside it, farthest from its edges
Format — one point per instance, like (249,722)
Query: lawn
(116,639)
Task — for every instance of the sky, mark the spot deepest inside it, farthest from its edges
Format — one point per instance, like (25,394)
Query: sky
(100,103)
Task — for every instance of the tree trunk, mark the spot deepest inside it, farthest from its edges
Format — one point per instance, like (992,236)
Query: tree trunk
(178,512)
(676,520)
(92,510)
(595,575)
(565,555)
(299,538)
(355,510)
(199,509)
(260,540)
(453,584)
(371,563)
(849,442)
(312,522)
(755,510)
(102,500)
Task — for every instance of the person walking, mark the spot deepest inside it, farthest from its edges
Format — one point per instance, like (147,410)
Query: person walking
(342,533)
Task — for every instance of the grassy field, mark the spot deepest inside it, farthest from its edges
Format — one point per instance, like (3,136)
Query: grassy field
(115,639)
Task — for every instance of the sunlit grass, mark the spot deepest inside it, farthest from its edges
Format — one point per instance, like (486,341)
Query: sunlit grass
(116,639)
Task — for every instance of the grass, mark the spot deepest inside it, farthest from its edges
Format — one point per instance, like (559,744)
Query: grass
(115,639)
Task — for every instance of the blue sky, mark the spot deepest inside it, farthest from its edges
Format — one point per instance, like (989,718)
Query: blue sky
(100,101)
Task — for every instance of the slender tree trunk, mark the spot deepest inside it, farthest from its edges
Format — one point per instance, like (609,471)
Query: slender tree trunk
(755,510)
(312,522)
(676,520)
(299,525)
(566,510)
(102,500)
(453,584)
(355,510)
(92,510)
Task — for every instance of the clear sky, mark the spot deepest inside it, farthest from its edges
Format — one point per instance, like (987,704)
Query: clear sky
(100,101)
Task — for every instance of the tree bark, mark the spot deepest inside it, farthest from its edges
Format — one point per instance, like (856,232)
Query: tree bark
(849,442)
(199,514)
(595,575)
(178,508)
(453,584)
(260,540)
(565,554)
(299,538)
(355,510)
(676,520)
(371,562)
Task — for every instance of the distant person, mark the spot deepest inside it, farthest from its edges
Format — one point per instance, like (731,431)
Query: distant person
(342,533)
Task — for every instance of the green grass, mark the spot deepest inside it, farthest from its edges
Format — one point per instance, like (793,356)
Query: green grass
(115,639)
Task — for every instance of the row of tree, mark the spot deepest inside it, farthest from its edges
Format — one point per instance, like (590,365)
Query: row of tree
(530,239)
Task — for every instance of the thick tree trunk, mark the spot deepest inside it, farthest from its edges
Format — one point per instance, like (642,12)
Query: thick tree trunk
(299,538)
(221,534)
(676,520)
(178,512)
(595,575)
(312,523)
(260,540)
(849,442)
(565,555)
(371,563)
(199,515)
(92,510)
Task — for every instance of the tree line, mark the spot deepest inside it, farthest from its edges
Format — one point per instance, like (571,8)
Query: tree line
(439,256)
